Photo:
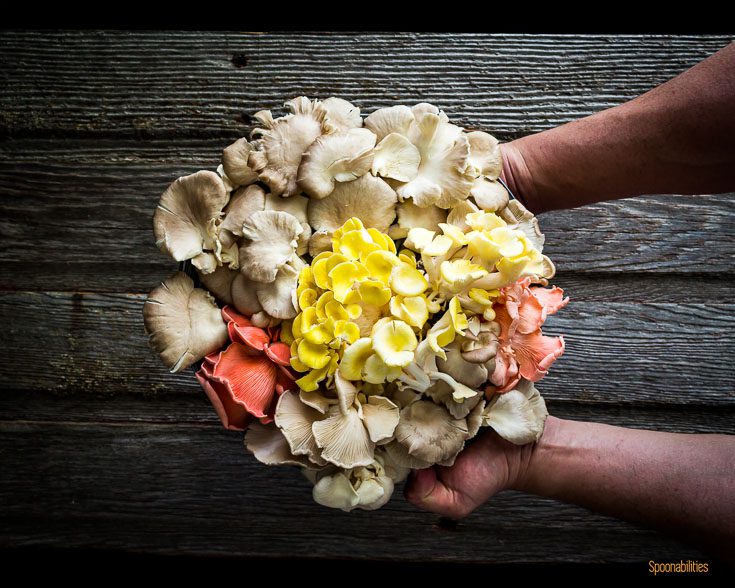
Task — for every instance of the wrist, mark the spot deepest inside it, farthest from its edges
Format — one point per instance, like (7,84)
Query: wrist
(534,455)
(517,176)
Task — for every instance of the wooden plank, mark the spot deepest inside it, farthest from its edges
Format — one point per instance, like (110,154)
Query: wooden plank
(193,83)
(194,410)
(165,489)
(616,352)
(77,215)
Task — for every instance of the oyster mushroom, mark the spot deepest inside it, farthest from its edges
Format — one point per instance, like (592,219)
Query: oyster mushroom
(278,152)
(396,158)
(342,115)
(340,157)
(219,282)
(429,432)
(295,420)
(519,217)
(269,446)
(265,301)
(470,374)
(235,163)
(348,435)
(519,415)
(365,487)
(183,322)
(442,177)
(393,119)
(489,195)
(185,221)
(244,202)
(270,241)
(411,216)
(485,154)
(368,198)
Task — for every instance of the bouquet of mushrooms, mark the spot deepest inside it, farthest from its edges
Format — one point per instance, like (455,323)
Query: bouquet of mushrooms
(366,297)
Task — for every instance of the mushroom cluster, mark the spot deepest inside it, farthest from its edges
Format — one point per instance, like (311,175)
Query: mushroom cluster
(372,296)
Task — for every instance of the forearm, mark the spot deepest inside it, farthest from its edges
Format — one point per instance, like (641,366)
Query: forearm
(678,138)
(684,484)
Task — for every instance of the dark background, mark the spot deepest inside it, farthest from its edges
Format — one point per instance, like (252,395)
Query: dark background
(103,451)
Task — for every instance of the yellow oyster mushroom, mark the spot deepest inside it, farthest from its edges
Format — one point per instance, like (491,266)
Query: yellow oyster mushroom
(454,233)
(413,310)
(307,297)
(335,311)
(377,371)
(354,358)
(382,240)
(395,342)
(380,264)
(346,331)
(322,302)
(287,333)
(374,292)
(407,280)
(419,238)
(508,241)
(459,319)
(344,275)
(440,245)
(355,244)
(407,256)
(459,273)
(353,224)
(315,356)
(484,221)
(310,381)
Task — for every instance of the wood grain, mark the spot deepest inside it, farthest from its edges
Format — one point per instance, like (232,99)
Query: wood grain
(186,83)
(167,488)
(616,352)
(195,410)
(101,447)
(77,216)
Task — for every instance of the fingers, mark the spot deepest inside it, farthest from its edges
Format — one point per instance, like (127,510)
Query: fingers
(429,491)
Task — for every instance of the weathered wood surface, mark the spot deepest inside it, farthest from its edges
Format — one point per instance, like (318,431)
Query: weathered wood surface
(617,352)
(93,203)
(101,447)
(170,488)
(187,83)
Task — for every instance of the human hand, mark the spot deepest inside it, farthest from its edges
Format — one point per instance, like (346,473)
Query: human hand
(488,466)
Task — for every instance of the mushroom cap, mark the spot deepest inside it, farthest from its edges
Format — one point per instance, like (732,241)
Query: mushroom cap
(473,375)
(282,145)
(343,439)
(244,202)
(368,198)
(276,297)
(295,420)
(186,214)
(519,415)
(340,157)
(219,283)
(270,242)
(443,177)
(485,154)
(235,163)
(183,322)
(489,195)
(411,216)
(342,115)
(269,446)
(397,158)
(393,119)
(429,432)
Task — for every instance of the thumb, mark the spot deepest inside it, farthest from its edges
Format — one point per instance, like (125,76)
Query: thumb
(425,490)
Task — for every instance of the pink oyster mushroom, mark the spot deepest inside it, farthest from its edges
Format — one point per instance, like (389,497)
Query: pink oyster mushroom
(246,379)
(523,352)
